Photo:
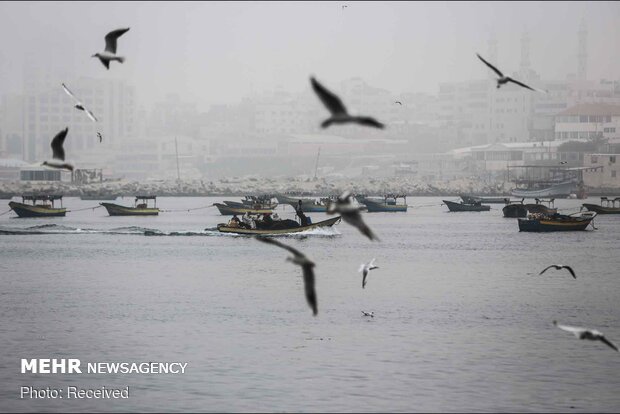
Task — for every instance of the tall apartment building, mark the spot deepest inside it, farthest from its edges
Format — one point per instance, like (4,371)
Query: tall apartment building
(47,109)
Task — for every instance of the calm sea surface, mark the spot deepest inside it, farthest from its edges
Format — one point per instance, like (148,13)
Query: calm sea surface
(463,320)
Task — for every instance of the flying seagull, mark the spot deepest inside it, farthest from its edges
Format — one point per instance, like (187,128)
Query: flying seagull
(365,268)
(399,102)
(350,213)
(371,314)
(58,152)
(78,104)
(591,334)
(558,267)
(110,48)
(563,162)
(505,79)
(338,111)
(308,270)
(100,137)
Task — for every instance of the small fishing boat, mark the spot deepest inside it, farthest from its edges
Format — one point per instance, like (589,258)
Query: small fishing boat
(515,210)
(606,208)
(140,207)
(41,206)
(386,204)
(290,226)
(556,222)
(469,199)
(231,211)
(541,208)
(308,205)
(477,206)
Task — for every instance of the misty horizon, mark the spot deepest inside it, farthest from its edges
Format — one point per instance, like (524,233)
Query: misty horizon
(219,53)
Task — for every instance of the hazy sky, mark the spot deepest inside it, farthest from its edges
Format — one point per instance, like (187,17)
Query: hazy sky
(217,51)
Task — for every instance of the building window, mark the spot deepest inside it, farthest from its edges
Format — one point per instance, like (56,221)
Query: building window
(612,159)
(593,159)
(613,174)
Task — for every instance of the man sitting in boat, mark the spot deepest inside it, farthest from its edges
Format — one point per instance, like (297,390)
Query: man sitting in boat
(234,221)
(248,221)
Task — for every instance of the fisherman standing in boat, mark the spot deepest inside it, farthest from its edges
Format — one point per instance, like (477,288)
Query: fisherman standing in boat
(305,221)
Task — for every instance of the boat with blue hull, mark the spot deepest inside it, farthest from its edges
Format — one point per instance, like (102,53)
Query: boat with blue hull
(386,204)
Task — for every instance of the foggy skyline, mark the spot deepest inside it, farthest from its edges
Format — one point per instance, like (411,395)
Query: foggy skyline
(219,52)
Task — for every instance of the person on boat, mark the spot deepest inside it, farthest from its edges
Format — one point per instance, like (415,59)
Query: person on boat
(305,220)
(234,222)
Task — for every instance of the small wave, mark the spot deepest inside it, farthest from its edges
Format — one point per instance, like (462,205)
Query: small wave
(50,226)
(131,230)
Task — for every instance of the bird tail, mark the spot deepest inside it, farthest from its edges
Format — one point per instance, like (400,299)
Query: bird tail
(326,123)
(121,59)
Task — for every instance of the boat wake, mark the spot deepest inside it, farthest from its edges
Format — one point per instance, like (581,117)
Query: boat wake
(44,229)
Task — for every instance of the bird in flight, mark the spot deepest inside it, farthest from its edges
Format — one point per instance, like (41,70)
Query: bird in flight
(371,314)
(110,48)
(100,137)
(591,334)
(563,162)
(350,213)
(58,152)
(505,79)
(78,104)
(307,267)
(399,102)
(365,268)
(339,114)
(558,267)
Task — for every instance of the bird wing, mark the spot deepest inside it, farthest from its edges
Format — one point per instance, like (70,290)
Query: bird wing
(270,240)
(308,272)
(570,269)
(546,268)
(500,74)
(368,121)
(575,330)
(100,137)
(70,94)
(520,84)
(355,219)
(331,101)
(364,278)
(361,268)
(110,39)
(58,152)
(90,115)
(608,343)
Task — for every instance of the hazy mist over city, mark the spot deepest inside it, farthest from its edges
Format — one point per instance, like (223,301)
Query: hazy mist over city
(216,89)
(217,52)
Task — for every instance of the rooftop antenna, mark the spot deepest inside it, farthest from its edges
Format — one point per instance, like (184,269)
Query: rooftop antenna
(316,166)
(176,148)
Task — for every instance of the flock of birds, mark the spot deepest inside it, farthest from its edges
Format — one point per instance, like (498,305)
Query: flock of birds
(349,211)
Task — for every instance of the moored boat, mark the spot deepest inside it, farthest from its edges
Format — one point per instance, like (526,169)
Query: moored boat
(231,211)
(44,208)
(387,204)
(604,209)
(274,230)
(515,210)
(469,199)
(98,197)
(452,206)
(541,208)
(139,209)
(556,222)
(308,205)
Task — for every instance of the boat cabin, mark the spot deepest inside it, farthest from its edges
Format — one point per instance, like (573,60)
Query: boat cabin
(605,201)
(45,200)
(144,200)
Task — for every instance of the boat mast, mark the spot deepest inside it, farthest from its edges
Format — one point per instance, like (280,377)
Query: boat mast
(316,166)
(176,148)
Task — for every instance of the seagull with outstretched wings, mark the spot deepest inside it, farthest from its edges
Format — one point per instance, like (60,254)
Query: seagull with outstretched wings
(505,79)
(110,48)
